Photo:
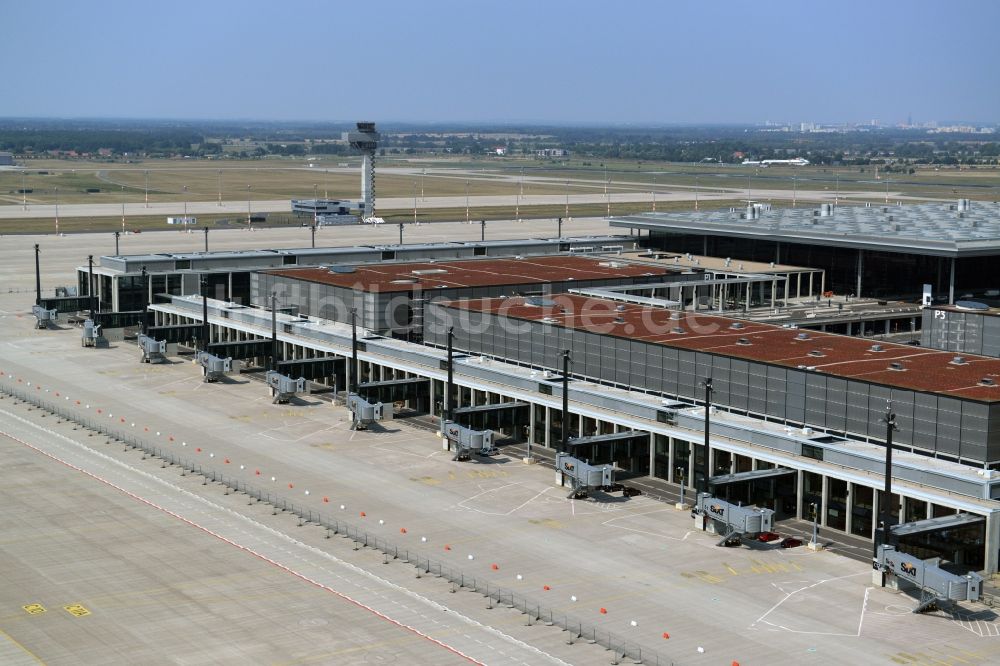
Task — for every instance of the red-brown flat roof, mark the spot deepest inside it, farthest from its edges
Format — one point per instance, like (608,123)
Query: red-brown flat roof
(474,273)
(838,355)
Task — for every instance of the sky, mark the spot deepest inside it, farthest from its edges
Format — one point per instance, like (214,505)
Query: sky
(504,61)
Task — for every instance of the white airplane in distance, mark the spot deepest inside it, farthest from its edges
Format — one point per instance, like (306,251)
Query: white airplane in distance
(797,161)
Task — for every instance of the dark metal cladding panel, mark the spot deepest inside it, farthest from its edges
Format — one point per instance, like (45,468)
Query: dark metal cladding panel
(757,388)
(670,364)
(836,405)
(879,398)
(687,373)
(638,363)
(857,408)
(777,390)
(739,385)
(925,421)
(993,443)
(654,366)
(902,406)
(815,390)
(975,425)
(795,385)
(721,379)
(949,425)
(991,336)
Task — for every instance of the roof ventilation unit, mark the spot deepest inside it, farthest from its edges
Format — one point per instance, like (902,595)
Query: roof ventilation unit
(676,316)
(876,348)
(677,329)
(619,320)
(802,336)
(817,353)
(987,381)
(736,325)
(743,341)
(958,360)
(620,308)
(897,366)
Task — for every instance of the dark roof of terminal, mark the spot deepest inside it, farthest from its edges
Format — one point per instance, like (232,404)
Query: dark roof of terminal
(456,274)
(838,355)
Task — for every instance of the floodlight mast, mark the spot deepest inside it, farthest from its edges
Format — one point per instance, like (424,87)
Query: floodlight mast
(365,140)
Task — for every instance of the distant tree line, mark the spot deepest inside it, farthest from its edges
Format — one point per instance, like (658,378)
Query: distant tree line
(889,148)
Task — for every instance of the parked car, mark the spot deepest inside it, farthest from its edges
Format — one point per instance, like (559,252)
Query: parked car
(768,537)
(791,542)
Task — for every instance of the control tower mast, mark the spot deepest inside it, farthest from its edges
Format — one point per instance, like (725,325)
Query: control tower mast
(365,140)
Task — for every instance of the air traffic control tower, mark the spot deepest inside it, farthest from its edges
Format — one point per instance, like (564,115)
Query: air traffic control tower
(365,139)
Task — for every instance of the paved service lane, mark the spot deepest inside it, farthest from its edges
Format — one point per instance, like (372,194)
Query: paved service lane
(445,635)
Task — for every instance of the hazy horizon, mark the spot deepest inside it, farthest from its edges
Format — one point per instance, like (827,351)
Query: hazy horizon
(643,64)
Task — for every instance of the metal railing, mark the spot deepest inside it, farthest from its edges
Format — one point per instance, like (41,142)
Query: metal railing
(496,595)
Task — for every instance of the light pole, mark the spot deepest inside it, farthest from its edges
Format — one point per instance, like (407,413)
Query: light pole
(249,227)
(565,401)
(707,467)
(206,238)
(24,194)
(795,190)
(414,203)
(482,228)
(326,183)
(567,199)
(654,192)
(815,516)
(146,189)
(422,174)
(882,534)
(466,201)
(400,232)
(57,211)
(220,188)
(696,192)
(123,211)
(559,228)
(185,208)
(680,471)
(117,234)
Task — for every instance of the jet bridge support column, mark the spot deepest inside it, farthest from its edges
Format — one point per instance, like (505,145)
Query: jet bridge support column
(992,541)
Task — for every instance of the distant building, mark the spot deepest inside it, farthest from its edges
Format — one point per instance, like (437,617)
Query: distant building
(500,151)
(6,159)
(552,152)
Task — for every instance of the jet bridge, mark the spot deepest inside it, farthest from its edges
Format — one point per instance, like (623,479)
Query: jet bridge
(732,521)
(151,350)
(91,336)
(214,366)
(466,441)
(364,413)
(582,477)
(936,585)
(44,317)
(284,388)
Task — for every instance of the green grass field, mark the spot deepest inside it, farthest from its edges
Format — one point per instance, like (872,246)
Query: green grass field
(68,182)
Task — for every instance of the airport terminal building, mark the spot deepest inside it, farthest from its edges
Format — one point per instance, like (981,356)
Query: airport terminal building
(795,421)
(881,251)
